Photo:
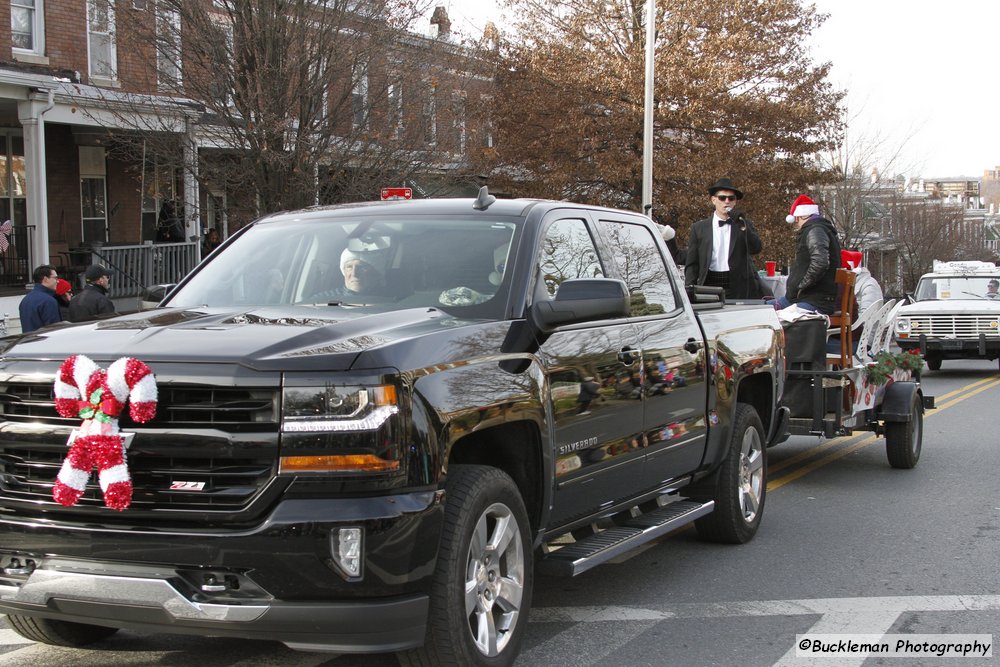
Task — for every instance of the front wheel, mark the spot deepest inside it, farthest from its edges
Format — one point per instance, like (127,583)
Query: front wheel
(58,633)
(481,591)
(903,440)
(742,484)
(933,363)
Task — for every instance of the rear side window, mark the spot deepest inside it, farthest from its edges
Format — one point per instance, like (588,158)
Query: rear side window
(640,265)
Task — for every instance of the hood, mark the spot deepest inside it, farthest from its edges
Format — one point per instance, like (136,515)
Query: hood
(260,338)
(952,307)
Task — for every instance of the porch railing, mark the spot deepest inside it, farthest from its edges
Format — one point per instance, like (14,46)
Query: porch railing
(15,262)
(136,267)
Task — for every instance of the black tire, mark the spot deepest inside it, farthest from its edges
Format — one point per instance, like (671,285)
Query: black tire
(933,363)
(487,626)
(58,633)
(742,484)
(903,440)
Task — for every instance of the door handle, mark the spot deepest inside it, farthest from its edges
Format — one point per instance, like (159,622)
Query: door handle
(692,346)
(629,355)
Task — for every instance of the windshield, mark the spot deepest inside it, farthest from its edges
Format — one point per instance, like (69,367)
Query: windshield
(388,263)
(952,288)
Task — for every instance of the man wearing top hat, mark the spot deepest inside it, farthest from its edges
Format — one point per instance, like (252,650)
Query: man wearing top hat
(719,248)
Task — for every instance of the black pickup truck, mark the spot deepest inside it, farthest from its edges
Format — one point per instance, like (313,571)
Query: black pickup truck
(521,386)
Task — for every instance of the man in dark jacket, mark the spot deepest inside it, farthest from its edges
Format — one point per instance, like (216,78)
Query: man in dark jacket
(93,301)
(40,307)
(812,279)
(720,247)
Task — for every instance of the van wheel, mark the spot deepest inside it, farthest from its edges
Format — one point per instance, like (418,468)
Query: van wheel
(903,440)
(58,633)
(742,484)
(481,592)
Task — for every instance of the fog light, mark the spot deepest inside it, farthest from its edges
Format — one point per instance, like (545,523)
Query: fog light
(345,544)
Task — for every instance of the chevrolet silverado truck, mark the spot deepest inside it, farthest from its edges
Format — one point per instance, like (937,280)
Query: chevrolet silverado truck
(954,314)
(525,387)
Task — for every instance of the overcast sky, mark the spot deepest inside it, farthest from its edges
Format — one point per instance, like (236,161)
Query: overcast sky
(923,77)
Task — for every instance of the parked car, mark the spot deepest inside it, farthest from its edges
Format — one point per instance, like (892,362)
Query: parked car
(376,472)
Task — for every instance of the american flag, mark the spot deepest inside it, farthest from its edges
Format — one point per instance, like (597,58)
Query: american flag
(5,230)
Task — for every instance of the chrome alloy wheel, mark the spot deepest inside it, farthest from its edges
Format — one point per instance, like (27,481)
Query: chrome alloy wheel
(751,474)
(494,581)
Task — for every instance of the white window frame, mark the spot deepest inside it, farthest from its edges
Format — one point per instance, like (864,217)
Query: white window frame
(170,18)
(430,115)
(37,27)
(394,99)
(227,30)
(93,31)
(359,91)
(458,99)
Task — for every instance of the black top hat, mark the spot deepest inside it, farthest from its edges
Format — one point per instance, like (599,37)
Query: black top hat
(724,184)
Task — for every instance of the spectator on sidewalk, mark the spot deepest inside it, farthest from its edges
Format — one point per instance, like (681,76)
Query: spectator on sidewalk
(40,308)
(64,294)
(93,302)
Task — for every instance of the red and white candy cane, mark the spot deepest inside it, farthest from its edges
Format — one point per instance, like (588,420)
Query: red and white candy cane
(84,390)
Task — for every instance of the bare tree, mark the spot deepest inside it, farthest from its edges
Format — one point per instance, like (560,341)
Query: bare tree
(301,101)
(924,231)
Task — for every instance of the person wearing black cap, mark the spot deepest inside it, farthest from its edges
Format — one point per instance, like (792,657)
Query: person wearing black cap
(720,247)
(93,302)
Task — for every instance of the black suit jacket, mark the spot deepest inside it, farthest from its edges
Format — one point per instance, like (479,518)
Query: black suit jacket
(743,242)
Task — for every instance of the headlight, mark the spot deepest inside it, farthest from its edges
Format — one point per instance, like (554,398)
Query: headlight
(902,325)
(336,428)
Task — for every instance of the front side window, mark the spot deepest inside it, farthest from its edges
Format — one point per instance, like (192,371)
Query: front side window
(101,38)
(641,266)
(27,26)
(567,253)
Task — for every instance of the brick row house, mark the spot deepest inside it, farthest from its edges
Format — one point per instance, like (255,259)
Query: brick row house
(110,109)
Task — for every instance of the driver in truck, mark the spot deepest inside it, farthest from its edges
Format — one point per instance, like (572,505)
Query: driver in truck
(993,289)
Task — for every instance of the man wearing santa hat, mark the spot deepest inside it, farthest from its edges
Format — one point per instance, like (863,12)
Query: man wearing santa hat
(812,278)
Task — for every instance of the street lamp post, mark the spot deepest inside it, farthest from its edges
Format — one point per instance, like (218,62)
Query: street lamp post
(647,134)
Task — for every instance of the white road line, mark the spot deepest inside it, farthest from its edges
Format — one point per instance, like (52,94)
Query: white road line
(11,638)
(842,623)
(592,646)
(819,606)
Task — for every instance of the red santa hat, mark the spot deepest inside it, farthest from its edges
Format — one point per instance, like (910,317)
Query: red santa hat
(801,208)
(851,258)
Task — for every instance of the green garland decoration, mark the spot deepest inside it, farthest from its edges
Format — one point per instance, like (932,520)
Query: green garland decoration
(886,363)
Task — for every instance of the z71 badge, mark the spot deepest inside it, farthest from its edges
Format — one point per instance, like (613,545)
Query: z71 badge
(187,486)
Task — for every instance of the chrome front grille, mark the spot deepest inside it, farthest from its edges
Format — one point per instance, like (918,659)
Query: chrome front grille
(954,326)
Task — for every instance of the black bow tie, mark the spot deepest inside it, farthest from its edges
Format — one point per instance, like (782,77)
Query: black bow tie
(725,222)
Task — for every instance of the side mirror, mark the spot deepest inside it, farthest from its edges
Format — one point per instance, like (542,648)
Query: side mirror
(153,295)
(909,298)
(582,300)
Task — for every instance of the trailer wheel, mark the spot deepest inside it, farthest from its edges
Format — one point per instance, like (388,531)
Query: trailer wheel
(58,633)
(482,585)
(903,440)
(742,484)
(933,362)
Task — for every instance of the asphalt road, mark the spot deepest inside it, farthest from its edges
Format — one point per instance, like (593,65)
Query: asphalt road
(847,545)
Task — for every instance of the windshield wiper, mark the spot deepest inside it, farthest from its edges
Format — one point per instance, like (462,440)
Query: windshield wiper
(978,296)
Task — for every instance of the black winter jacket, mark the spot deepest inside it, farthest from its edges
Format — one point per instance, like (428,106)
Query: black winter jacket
(813,276)
(91,303)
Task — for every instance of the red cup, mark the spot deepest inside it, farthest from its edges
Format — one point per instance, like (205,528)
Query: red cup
(771,267)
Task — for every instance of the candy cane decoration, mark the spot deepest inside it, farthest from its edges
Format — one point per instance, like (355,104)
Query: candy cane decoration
(83,389)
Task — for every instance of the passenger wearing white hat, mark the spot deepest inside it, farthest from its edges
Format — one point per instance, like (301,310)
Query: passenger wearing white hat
(363,272)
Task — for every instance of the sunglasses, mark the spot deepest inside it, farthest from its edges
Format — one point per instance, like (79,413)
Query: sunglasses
(726,197)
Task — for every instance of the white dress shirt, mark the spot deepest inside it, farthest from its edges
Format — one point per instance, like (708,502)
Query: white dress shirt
(720,245)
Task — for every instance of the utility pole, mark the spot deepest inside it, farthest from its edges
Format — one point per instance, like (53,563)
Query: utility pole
(647,134)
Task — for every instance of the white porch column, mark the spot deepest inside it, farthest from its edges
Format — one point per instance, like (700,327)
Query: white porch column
(192,219)
(30,114)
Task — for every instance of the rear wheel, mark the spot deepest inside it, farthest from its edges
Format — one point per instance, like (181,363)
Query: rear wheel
(481,591)
(742,484)
(58,633)
(903,440)
(933,362)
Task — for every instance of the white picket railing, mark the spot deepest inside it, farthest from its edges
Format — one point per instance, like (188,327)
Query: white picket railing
(136,267)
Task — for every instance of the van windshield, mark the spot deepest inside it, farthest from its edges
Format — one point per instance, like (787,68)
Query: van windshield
(387,263)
